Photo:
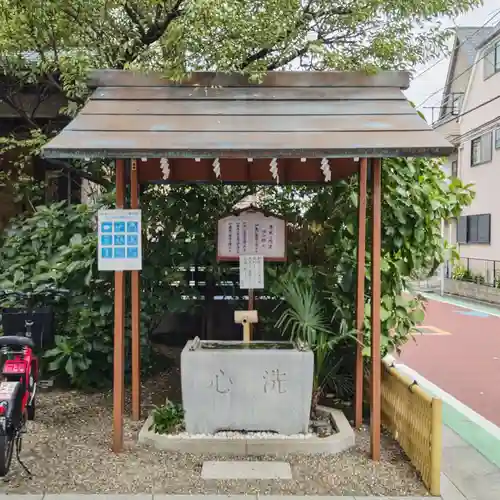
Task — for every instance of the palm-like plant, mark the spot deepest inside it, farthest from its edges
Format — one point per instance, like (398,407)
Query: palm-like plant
(305,319)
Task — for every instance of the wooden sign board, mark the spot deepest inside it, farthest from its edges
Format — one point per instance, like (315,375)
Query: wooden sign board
(251,272)
(251,232)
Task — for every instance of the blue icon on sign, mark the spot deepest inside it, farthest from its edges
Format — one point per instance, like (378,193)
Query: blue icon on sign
(119,240)
(119,227)
(132,252)
(119,253)
(132,227)
(132,239)
(106,227)
(106,240)
(106,253)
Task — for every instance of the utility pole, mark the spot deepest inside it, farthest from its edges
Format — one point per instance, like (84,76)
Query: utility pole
(444,260)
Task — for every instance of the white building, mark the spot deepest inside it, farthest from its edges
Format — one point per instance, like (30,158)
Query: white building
(469,117)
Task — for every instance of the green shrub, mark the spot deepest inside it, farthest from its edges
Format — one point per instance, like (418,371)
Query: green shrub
(167,419)
(461,273)
(57,245)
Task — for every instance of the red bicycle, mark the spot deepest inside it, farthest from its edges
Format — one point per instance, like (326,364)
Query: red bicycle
(19,379)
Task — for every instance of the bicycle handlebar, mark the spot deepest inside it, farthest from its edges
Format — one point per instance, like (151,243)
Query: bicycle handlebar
(46,292)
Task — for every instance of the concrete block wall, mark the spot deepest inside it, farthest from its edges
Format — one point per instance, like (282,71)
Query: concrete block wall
(472,291)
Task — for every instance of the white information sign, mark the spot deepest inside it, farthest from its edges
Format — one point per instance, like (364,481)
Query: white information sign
(119,244)
(251,233)
(251,272)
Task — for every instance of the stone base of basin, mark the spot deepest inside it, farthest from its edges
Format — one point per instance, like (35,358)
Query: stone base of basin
(276,445)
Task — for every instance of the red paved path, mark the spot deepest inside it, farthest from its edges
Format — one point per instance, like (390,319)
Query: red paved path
(465,364)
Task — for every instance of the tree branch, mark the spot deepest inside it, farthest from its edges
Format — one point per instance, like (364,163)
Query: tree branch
(69,168)
(150,35)
(135,18)
(307,14)
(289,58)
(10,100)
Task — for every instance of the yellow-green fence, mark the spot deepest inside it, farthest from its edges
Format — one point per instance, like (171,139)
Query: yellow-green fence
(415,420)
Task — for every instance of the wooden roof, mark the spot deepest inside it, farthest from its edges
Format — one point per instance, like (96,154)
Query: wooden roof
(290,114)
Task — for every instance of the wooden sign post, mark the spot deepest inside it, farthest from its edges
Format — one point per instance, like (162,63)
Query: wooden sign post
(252,237)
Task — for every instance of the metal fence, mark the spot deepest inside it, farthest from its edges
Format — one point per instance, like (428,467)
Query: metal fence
(480,271)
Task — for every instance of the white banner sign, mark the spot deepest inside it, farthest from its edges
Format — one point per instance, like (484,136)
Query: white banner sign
(251,233)
(119,244)
(251,272)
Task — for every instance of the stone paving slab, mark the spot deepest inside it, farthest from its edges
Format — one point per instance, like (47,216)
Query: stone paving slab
(204,497)
(394,498)
(149,496)
(21,497)
(451,439)
(479,486)
(91,496)
(245,470)
(464,461)
(448,490)
(307,497)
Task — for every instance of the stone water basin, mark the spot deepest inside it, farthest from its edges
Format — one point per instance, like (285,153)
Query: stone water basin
(255,386)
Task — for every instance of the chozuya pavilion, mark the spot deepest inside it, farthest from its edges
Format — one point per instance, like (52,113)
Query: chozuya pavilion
(293,127)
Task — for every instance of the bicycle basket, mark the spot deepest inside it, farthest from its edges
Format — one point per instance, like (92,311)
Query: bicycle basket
(42,331)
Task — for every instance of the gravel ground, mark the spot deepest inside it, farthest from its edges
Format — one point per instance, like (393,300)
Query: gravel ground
(67,448)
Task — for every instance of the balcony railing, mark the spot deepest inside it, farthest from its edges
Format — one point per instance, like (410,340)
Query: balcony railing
(450,107)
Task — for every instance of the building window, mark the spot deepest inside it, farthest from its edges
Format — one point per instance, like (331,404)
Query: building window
(481,149)
(497,138)
(474,229)
(492,60)
(454,168)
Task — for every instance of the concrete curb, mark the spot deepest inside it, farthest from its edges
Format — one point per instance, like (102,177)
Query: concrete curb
(342,440)
(462,302)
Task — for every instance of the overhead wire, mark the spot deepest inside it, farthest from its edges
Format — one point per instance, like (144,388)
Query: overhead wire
(462,73)
(493,14)
(477,107)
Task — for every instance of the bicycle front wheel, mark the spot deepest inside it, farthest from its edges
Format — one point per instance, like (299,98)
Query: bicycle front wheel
(6,451)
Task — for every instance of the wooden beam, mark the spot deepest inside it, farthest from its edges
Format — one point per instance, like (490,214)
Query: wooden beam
(119,330)
(125,78)
(239,170)
(136,322)
(360,291)
(375,414)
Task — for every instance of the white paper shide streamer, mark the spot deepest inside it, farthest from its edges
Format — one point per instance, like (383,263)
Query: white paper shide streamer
(216,165)
(165,168)
(273,168)
(325,168)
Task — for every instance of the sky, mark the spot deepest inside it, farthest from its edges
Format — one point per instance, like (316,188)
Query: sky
(434,79)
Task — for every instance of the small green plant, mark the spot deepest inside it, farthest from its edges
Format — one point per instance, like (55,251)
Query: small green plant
(478,278)
(305,319)
(167,419)
(460,273)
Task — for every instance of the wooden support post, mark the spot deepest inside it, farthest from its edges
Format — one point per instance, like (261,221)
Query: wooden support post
(251,306)
(376,368)
(436,446)
(360,291)
(119,330)
(136,321)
